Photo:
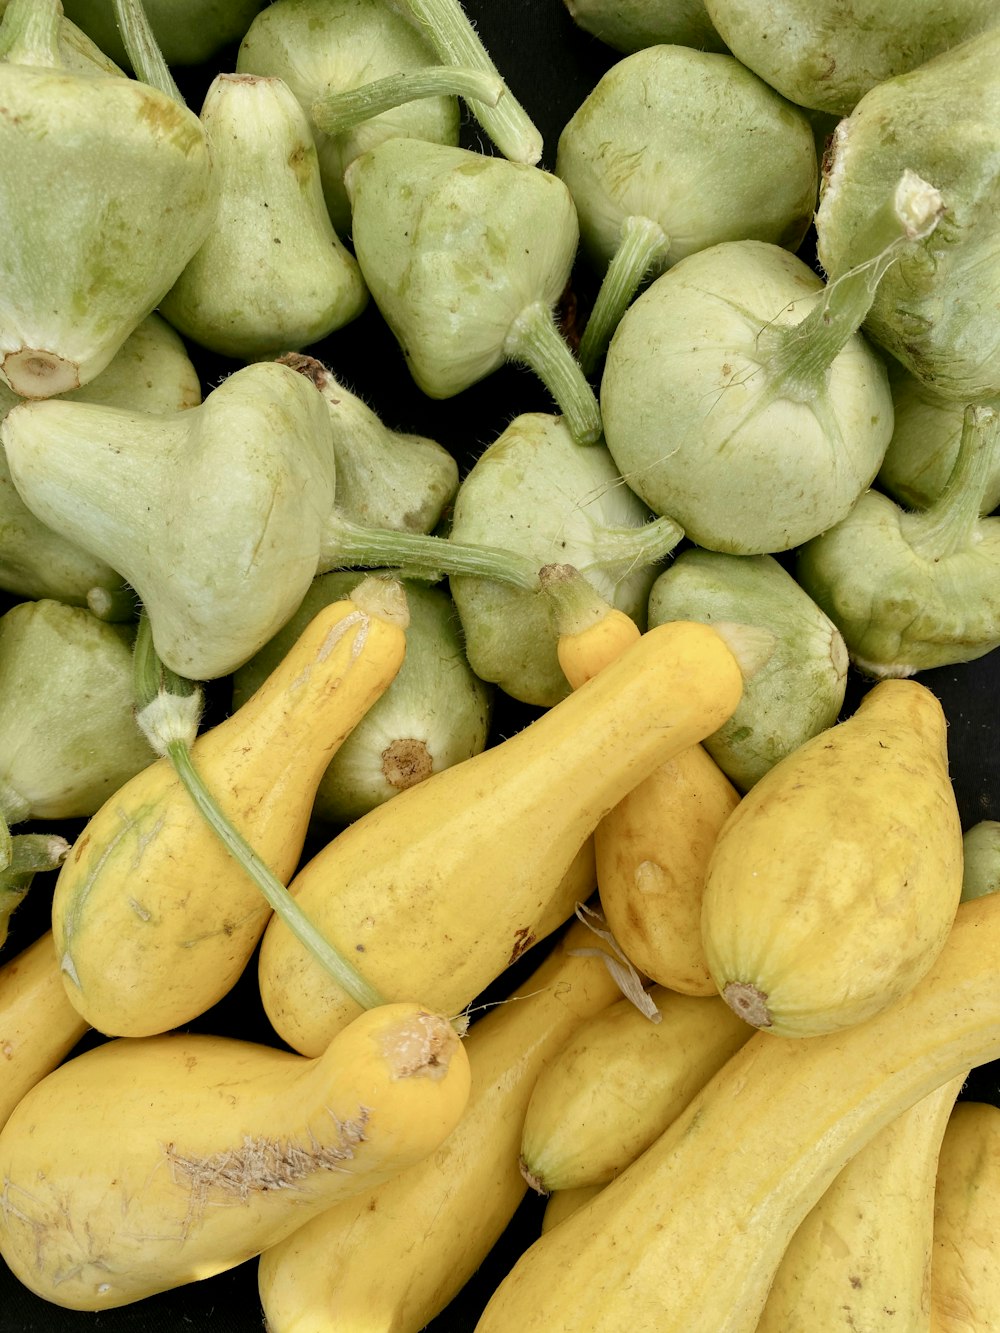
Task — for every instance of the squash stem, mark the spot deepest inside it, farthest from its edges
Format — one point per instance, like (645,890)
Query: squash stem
(643,243)
(114,604)
(338,112)
(347,544)
(451,34)
(13,809)
(949,524)
(619,549)
(29,33)
(143,50)
(167,713)
(534,339)
(576,604)
(798,357)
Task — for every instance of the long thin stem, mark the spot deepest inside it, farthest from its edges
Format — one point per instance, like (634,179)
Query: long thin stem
(348,545)
(643,241)
(618,548)
(143,50)
(165,711)
(340,111)
(29,33)
(949,524)
(534,339)
(457,43)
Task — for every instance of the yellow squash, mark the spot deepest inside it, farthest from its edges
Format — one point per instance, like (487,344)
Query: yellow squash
(153,919)
(618,1082)
(861,1259)
(153,1161)
(436,891)
(562,1203)
(38,1025)
(652,849)
(387,1261)
(834,882)
(688,1239)
(965,1268)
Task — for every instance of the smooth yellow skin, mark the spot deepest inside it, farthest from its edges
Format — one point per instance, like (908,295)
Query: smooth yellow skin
(688,1239)
(153,919)
(38,1025)
(150,1162)
(965,1267)
(653,850)
(618,1082)
(388,1261)
(563,1203)
(865,1249)
(438,890)
(834,883)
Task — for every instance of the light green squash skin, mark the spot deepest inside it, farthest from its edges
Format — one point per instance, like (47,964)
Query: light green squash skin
(319,45)
(696,143)
(826,54)
(935,310)
(186,31)
(630,25)
(797,692)
(454,246)
(68,736)
(272,275)
(683,398)
(84,264)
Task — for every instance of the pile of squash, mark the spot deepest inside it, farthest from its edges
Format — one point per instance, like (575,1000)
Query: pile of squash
(603,939)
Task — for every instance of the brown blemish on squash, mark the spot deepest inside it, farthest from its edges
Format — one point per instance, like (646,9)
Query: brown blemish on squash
(523,940)
(421,1046)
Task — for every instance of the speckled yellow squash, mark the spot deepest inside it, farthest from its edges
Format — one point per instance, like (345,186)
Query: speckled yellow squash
(834,883)
(38,1025)
(436,891)
(153,1161)
(357,1266)
(688,1239)
(153,919)
(965,1266)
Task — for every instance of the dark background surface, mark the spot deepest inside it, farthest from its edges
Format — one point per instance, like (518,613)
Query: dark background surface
(551,66)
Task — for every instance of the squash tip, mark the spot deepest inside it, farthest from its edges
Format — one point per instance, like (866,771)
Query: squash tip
(748,1003)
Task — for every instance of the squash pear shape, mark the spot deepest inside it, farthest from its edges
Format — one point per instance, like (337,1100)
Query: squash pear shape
(800,685)
(272,224)
(168,1159)
(466,256)
(826,54)
(68,737)
(675,150)
(535,491)
(936,310)
(316,47)
(835,881)
(915,590)
(213,514)
(136,198)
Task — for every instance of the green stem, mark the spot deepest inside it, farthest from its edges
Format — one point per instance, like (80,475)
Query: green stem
(6,844)
(143,51)
(950,523)
(340,111)
(798,357)
(114,604)
(642,243)
(534,339)
(29,33)
(456,42)
(576,604)
(348,545)
(164,710)
(617,548)
(347,977)
(13,809)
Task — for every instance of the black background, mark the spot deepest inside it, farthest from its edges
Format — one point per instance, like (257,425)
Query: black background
(550,66)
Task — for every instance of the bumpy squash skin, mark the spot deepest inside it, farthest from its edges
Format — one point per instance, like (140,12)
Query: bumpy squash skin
(148,1163)
(38,1025)
(438,890)
(618,1082)
(864,1251)
(357,1266)
(834,883)
(153,920)
(965,1268)
(688,1239)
